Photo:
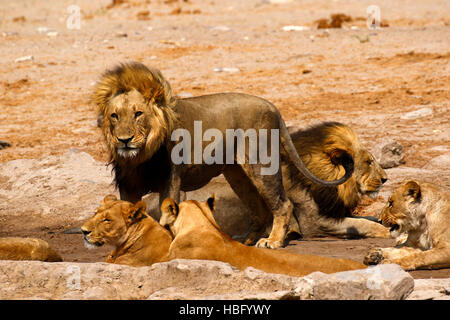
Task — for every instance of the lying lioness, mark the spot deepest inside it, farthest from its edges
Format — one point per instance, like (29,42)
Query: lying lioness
(423,211)
(138,239)
(27,249)
(197,236)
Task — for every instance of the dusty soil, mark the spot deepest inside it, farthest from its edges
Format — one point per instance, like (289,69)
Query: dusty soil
(365,78)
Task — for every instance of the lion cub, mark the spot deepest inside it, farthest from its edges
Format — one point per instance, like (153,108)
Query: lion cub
(14,248)
(423,211)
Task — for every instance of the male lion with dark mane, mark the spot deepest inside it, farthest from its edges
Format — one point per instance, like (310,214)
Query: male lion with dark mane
(139,117)
(197,236)
(423,211)
(324,210)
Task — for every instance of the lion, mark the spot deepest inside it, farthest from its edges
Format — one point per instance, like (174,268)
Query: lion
(422,210)
(197,236)
(138,239)
(140,117)
(15,248)
(324,210)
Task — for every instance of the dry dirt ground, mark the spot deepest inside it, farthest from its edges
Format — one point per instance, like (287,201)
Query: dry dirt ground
(365,78)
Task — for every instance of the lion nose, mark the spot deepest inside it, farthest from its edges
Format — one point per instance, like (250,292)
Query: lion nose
(125,140)
(85,232)
(383,180)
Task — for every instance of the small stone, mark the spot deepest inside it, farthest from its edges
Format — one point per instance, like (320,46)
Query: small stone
(389,153)
(24,59)
(417,114)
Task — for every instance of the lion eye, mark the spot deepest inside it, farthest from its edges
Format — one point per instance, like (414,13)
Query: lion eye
(106,220)
(114,116)
(138,114)
(390,203)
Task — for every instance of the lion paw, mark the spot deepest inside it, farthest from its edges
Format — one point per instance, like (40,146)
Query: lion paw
(267,243)
(374,256)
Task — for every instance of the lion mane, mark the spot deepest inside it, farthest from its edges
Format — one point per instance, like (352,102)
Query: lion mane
(152,86)
(325,148)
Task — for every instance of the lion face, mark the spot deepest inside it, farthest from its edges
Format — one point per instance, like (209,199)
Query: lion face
(398,208)
(128,123)
(111,221)
(369,175)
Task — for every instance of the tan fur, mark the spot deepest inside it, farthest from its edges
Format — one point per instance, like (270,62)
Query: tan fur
(140,116)
(27,249)
(197,236)
(323,210)
(138,239)
(422,210)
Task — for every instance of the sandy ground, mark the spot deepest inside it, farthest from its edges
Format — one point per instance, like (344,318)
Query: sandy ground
(365,78)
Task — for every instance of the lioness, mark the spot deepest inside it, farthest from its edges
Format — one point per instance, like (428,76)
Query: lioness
(140,116)
(14,248)
(423,211)
(197,236)
(138,239)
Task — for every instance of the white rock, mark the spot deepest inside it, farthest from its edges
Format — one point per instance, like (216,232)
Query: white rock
(295,28)
(230,70)
(417,114)
(24,59)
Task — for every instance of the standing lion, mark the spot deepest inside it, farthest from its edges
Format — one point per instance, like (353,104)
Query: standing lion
(140,115)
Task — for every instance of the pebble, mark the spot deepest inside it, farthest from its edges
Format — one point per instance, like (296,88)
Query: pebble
(417,114)
(24,59)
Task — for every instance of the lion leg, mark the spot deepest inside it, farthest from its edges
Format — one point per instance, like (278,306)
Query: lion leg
(249,195)
(352,227)
(271,190)
(411,258)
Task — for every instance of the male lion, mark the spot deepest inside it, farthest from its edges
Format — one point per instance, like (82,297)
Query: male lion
(140,114)
(323,210)
(138,239)
(197,236)
(13,248)
(423,211)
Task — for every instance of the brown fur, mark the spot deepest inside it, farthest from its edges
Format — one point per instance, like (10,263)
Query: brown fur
(27,249)
(322,210)
(139,115)
(422,210)
(138,239)
(197,236)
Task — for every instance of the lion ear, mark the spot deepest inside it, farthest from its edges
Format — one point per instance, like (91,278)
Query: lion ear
(109,198)
(169,207)
(337,155)
(137,212)
(211,202)
(413,190)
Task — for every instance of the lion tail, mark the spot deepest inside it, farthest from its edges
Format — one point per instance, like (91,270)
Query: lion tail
(287,143)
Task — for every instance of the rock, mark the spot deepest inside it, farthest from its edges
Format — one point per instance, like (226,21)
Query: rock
(389,153)
(387,281)
(74,183)
(193,279)
(417,114)
(4,144)
(441,162)
(231,70)
(431,289)
(295,28)
(24,59)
